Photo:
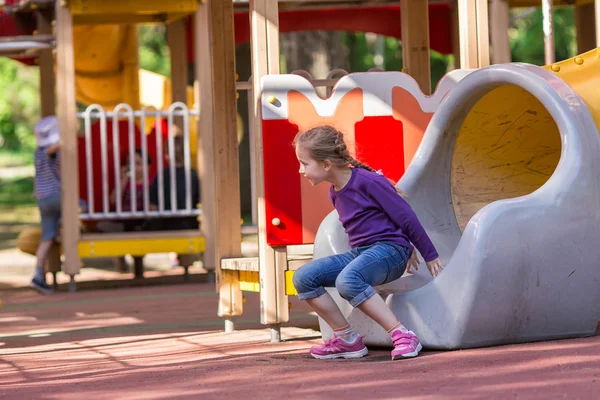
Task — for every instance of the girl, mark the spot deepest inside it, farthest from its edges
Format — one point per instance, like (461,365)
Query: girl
(381,227)
(129,225)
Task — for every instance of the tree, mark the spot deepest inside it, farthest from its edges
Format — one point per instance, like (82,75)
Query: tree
(19,106)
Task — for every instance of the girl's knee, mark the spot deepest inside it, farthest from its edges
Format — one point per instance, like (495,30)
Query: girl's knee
(348,284)
(302,280)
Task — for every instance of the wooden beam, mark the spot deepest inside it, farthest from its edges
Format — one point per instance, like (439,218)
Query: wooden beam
(499,25)
(455,31)
(67,119)
(415,41)
(473,33)
(218,147)
(264,40)
(131,67)
(205,145)
(597,13)
(467,25)
(585,25)
(483,33)
(548,31)
(46,63)
(176,37)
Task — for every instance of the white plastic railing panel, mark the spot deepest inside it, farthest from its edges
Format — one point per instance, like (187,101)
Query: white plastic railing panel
(95,113)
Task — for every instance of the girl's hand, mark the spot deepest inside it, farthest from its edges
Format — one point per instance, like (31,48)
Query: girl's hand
(413,261)
(124,174)
(434,267)
(53,149)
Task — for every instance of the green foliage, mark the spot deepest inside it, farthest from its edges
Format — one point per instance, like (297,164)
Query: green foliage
(16,192)
(527,36)
(154,51)
(362,56)
(19,105)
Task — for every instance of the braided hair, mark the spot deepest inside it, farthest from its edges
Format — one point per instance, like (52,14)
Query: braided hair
(327,143)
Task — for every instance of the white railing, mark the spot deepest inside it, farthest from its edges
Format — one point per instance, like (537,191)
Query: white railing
(95,113)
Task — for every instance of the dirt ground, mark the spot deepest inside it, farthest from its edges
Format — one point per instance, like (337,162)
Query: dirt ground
(165,342)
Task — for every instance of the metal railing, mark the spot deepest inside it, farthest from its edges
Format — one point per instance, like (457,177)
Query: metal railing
(95,113)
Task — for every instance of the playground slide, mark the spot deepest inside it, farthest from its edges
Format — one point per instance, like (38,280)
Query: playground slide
(506,184)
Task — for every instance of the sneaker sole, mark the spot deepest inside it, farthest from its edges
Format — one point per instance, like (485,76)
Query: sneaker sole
(353,354)
(40,289)
(408,355)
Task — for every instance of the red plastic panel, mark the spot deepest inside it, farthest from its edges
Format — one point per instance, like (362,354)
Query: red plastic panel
(282,183)
(380,144)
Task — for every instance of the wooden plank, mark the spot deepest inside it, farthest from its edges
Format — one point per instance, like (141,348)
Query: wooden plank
(220,157)
(131,67)
(176,37)
(240,264)
(46,62)
(483,34)
(585,25)
(264,40)
(499,26)
(548,31)
(467,25)
(67,107)
(597,13)
(205,145)
(283,307)
(415,41)
(454,26)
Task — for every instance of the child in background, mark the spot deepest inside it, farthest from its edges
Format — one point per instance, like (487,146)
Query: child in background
(47,191)
(381,227)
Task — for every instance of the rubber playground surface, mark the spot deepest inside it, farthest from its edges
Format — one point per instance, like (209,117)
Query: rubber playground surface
(165,342)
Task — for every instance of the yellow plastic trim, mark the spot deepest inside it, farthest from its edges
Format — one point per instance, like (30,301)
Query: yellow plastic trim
(102,19)
(139,247)
(290,290)
(249,281)
(134,7)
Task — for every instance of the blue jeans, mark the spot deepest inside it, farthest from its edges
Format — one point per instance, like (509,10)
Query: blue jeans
(50,216)
(353,273)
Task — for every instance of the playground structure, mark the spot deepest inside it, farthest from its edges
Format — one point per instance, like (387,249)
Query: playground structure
(285,238)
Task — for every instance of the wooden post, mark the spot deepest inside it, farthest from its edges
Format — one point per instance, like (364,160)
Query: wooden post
(499,25)
(176,38)
(415,41)
(131,67)
(218,149)
(585,25)
(473,33)
(483,33)
(548,27)
(597,13)
(46,62)
(264,40)
(67,119)
(454,27)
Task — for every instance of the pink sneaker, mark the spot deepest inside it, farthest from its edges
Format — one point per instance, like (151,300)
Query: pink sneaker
(337,348)
(405,345)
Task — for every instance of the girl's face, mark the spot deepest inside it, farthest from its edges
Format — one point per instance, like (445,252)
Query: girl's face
(313,170)
(138,164)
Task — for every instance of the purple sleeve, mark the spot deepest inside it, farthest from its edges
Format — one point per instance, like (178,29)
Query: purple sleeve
(403,215)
